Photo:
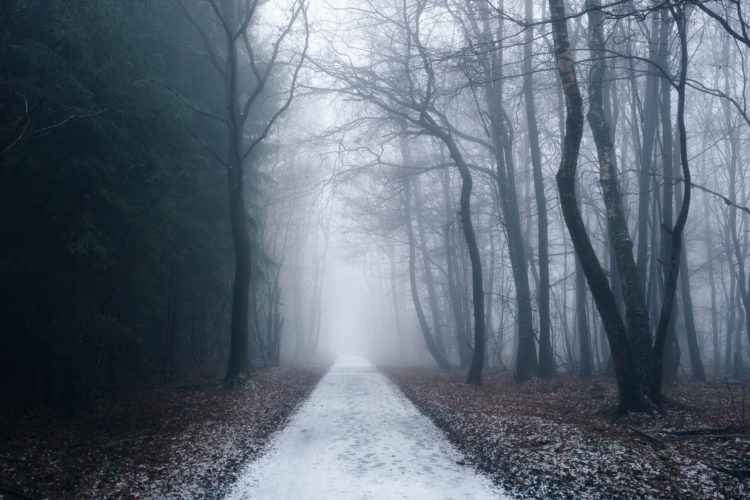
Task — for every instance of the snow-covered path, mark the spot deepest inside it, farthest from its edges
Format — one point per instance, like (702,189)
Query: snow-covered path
(359,437)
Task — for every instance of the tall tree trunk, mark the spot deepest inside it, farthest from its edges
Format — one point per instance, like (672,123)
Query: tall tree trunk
(743,280)
(732,304)
(696,364)
(490,276)
(635,305)
(582,324)
(432,347)
(673,268)
(526,360)
(456,299)
(228,32)
(546,355)
(563,314)
(238,369)
(501,136)
(477,291)
(629,389)
(615,280)
(744,312)
(454,280)
(426,265)
(670,361)
(655,274)
(647,148)
(707,233)
(738,366)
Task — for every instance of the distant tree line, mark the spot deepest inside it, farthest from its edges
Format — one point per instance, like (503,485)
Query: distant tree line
(542,162)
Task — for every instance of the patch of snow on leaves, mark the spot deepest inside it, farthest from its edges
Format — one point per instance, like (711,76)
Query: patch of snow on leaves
(553,439)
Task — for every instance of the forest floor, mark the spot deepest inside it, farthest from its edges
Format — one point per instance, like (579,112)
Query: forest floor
(560,438)
(152,443)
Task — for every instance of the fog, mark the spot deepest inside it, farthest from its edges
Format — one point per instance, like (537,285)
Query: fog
(351,308)
(526,219)
(407,181)
(373,115)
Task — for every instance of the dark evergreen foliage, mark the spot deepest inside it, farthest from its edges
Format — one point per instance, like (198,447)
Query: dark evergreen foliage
(113,256)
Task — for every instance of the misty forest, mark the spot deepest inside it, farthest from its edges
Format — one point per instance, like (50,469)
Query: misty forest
(374,249)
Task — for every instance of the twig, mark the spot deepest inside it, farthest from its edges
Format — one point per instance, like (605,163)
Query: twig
(727,201)
(23,137)
(193,107)
(705,431)
(649,437)
(739,473)
(112,443)
(567,412)
(712,436)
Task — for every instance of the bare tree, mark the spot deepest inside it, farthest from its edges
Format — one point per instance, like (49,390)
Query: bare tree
(546,355)
(403,84)
(225,27)
(631,384)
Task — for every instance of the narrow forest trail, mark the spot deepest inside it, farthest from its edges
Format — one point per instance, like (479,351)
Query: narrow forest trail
(357,436)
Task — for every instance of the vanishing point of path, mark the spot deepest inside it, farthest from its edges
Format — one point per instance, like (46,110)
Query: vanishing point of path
(357,437)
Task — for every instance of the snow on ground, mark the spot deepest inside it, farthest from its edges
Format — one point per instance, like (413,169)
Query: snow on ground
(359,437)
